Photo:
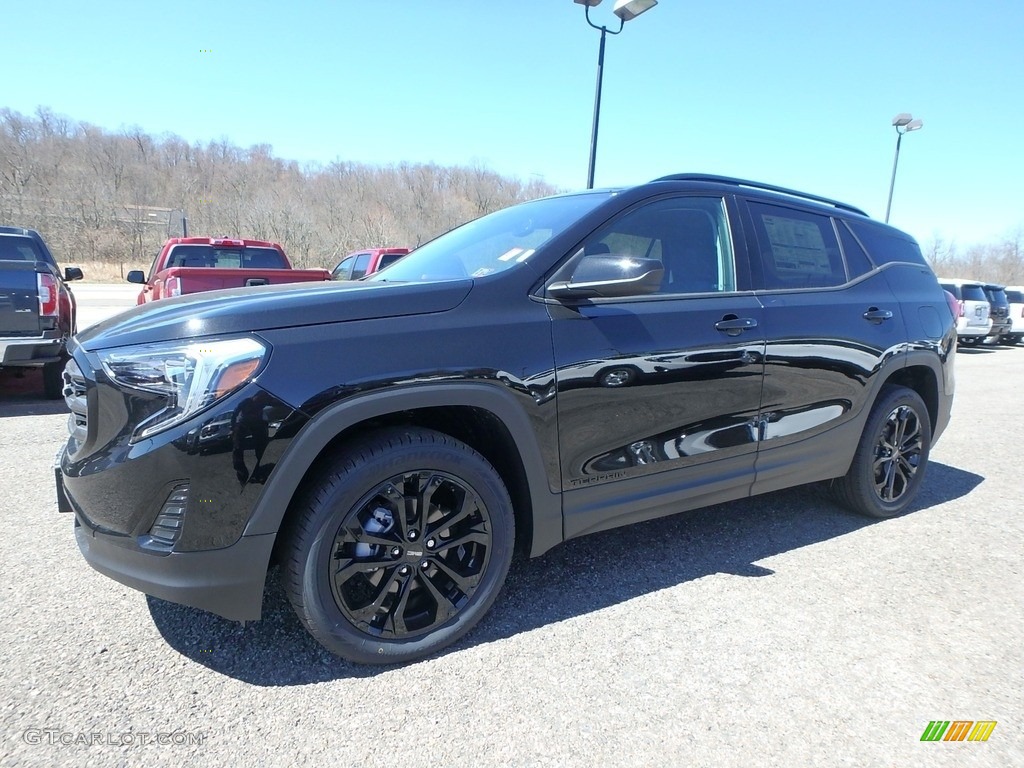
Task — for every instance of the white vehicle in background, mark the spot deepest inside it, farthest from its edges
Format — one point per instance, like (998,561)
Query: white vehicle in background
(973,322)
(1015,295)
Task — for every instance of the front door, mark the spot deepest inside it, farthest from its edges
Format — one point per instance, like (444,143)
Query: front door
(658,395)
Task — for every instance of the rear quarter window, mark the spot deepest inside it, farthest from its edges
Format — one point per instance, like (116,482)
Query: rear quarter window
(885,245)
(1015,297)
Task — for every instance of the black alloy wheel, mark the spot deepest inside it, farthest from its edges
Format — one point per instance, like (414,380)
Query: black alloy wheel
(410,554)
(889,464)
(399,546)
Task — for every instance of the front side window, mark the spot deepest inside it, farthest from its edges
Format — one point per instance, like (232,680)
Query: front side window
(688,235)
(798,248)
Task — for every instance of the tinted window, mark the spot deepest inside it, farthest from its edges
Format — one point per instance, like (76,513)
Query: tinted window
(225,258)
(886,245)
(362,262)
(952,288)
(344,269)
(389,258)
(1015,297)
(18,249)
(688,235)
(996,296)
(798,249)
(973,292)
(857,261)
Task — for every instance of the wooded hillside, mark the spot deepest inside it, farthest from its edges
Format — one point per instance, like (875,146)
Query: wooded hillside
(101,196)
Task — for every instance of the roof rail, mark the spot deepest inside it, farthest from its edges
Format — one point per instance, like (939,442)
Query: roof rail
(758,185)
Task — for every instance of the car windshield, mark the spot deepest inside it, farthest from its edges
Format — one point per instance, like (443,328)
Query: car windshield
(493,243)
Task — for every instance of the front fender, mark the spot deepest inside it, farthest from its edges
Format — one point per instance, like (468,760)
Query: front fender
(330,422)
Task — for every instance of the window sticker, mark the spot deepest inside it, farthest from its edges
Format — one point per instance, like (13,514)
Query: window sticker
(797,246)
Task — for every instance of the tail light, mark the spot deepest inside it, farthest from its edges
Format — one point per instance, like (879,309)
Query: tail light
(46,285)
(956,307)
(172,287)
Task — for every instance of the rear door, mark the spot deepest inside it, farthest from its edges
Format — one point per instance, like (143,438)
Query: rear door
(830,321)
(658,394)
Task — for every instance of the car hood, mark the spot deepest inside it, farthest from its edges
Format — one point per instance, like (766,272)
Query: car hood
(260,308)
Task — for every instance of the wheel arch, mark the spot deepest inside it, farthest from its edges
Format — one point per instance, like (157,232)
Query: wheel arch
(484,417)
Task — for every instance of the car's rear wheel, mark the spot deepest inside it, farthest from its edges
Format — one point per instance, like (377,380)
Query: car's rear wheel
(401,545)
(891,456)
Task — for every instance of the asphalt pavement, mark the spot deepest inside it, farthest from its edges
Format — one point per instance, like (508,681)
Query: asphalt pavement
(776,631)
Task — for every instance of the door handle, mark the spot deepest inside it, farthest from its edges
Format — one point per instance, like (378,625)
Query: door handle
(876,315)
(734,326)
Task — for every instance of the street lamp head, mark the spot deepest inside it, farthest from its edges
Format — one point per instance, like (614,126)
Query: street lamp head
(630,9)
(914,125)
(899,121)
(588,3)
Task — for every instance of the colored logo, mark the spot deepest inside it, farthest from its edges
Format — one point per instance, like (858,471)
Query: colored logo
(958,730)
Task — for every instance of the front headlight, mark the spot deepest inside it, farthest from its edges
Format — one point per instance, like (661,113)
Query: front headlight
(191,376)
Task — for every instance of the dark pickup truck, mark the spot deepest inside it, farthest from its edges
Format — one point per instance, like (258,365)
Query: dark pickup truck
(37,309)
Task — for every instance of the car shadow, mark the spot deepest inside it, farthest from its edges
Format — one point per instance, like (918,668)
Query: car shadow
(976,350)
(573,579)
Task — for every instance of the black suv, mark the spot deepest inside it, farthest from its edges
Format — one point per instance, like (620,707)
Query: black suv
(564,366)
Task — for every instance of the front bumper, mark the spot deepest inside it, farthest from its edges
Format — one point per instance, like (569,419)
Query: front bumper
(228,582)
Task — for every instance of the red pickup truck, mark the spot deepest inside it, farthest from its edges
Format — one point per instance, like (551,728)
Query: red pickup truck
(362,263)
(195,264)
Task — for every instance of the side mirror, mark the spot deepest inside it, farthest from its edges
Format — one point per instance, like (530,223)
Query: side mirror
(72,273)
(608,275)
(136,276)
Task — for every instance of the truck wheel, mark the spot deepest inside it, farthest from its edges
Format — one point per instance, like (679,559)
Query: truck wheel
(891,456)
(400,545)
(53,380)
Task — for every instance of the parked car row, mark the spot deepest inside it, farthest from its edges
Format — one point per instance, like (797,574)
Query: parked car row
(987,312)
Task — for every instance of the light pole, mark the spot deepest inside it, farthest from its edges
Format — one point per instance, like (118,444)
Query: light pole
(904,123)
(625,10)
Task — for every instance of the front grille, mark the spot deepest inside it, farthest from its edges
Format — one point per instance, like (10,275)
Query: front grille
(74,396)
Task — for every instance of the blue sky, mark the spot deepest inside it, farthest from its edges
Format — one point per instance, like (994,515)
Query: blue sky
(799,93)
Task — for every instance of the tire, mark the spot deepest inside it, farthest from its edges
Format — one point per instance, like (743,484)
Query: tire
(53,380)
(407,591)
(880,483)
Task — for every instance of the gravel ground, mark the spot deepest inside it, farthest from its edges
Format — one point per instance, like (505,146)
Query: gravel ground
(775,631)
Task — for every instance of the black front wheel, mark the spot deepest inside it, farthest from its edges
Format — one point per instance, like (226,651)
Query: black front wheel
(401,545)
(891,456)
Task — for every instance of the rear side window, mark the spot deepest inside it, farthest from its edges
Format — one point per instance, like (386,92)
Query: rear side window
(798,249)
(1015,297)
(952,288)
(886,245)
(973,293)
